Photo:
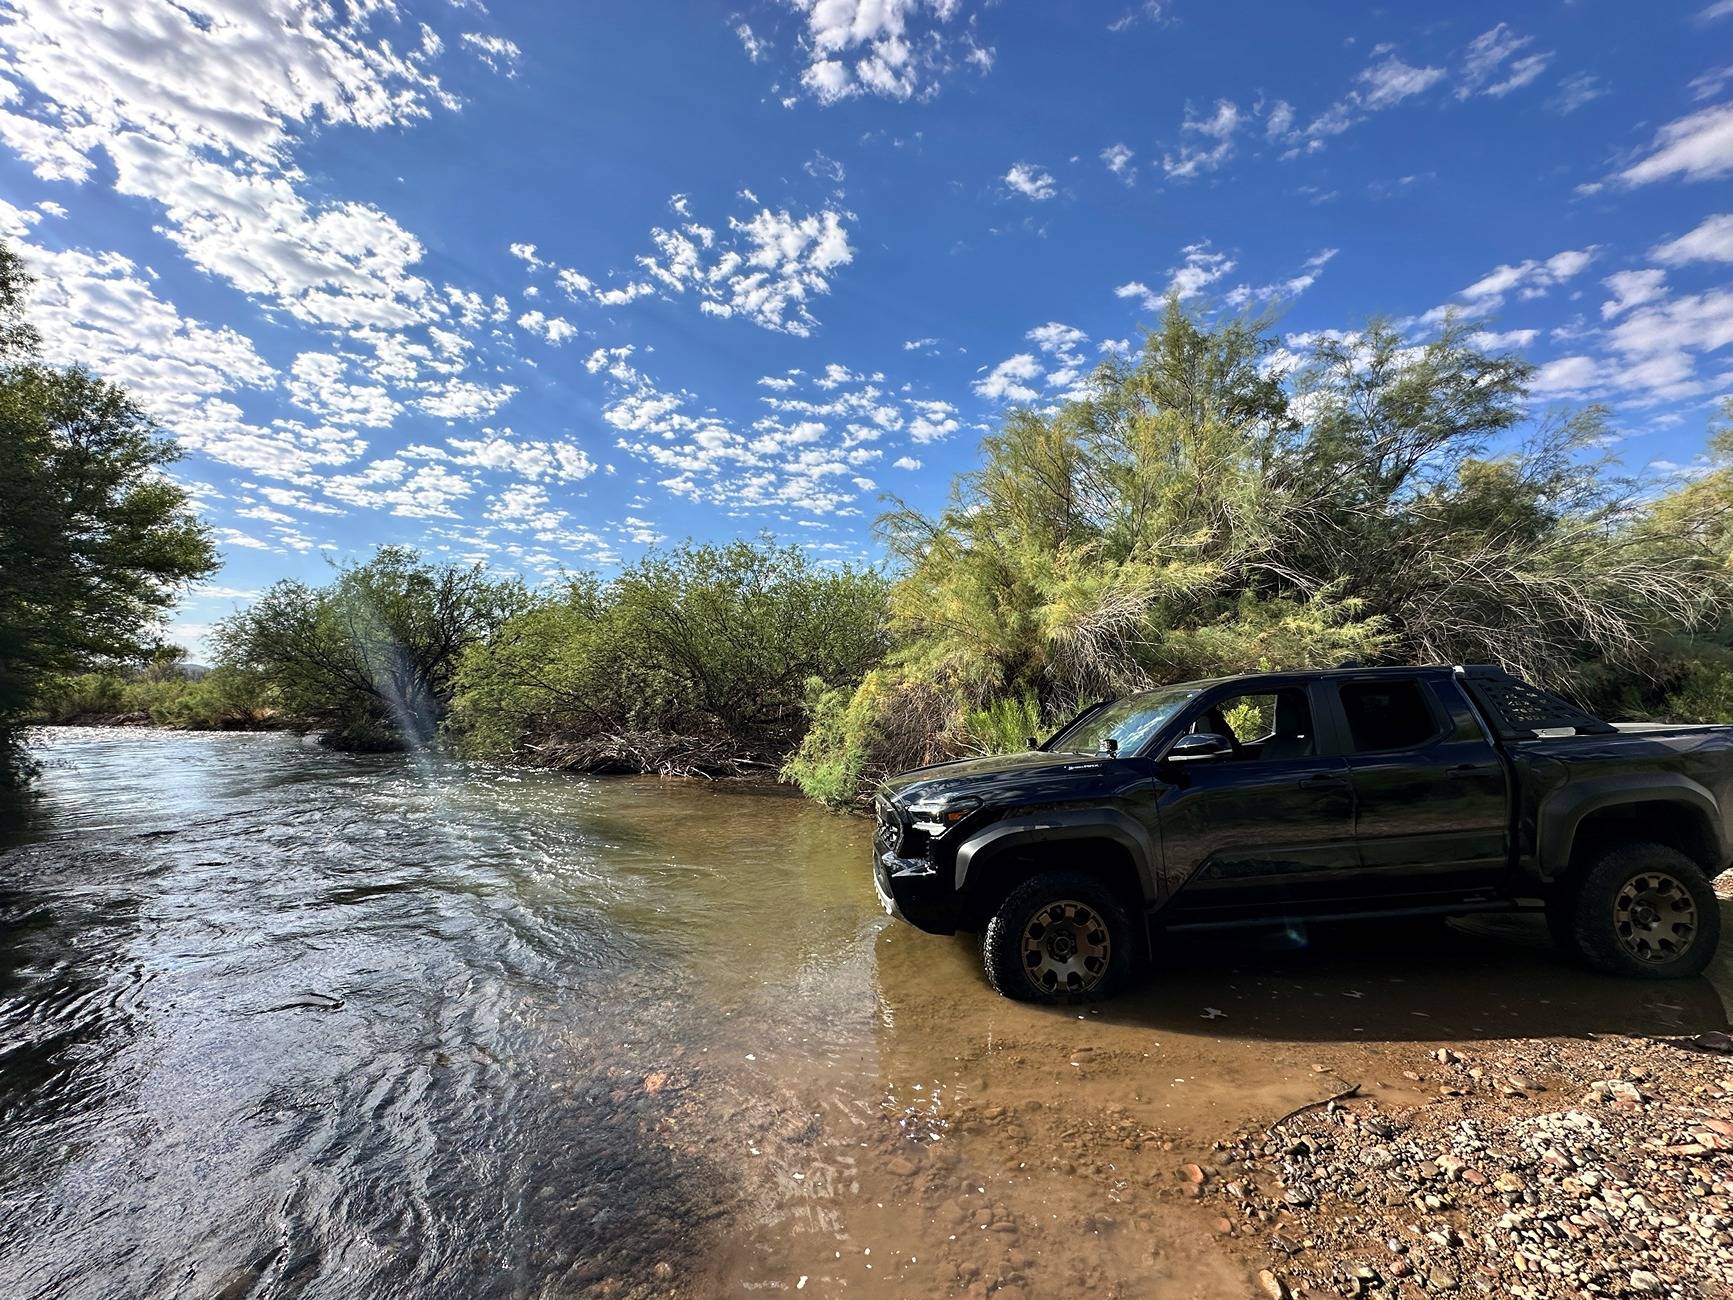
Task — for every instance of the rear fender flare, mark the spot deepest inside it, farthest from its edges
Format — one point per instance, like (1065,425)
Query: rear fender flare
(977,855)
(1563,812)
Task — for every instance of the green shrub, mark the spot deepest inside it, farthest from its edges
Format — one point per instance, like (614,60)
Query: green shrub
(712,643)
(1004,726)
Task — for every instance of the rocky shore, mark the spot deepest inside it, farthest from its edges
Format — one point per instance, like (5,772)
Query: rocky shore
(1540,1169)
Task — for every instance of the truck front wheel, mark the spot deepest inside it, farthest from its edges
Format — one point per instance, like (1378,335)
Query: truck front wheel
(1643,910)
(1058,937)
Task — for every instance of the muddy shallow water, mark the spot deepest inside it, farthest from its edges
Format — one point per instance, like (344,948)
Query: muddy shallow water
(278,1022)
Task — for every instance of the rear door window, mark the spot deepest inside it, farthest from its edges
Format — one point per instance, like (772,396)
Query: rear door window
(1387,715)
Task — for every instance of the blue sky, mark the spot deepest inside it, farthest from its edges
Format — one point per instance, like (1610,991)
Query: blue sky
(547,285)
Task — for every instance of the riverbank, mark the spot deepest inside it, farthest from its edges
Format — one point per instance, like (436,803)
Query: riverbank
(623,753)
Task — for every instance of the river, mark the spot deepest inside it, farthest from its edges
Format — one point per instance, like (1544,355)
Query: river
(281,1022)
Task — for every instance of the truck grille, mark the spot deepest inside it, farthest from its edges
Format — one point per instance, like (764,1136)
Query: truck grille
(888,834)
(894,836)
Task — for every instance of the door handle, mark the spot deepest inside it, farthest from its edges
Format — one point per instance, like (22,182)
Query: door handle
(1463,771)
(1323,781)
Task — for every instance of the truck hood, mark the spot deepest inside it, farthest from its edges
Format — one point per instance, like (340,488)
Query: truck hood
(1006,776)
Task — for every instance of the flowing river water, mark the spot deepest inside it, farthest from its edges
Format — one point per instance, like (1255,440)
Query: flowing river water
(280,1022)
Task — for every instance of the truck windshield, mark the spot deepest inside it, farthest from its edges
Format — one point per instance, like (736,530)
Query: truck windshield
(1131,722)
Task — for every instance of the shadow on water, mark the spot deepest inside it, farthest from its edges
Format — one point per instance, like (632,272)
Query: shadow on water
(1480,978)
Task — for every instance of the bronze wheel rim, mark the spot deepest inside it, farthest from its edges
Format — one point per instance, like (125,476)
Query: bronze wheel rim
(1655,917)
(1066,947)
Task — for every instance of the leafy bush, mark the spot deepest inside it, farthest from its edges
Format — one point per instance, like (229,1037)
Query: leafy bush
(223,698)
(85,695)
(712,644)
(1004,726)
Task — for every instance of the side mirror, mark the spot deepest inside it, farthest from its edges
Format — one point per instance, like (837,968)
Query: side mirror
(1031,742)
(1199,748)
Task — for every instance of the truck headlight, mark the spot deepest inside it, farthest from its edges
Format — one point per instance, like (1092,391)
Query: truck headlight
(937,818)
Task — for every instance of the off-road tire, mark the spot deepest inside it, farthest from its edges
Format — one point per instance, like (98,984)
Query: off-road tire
(1586,921)
(1003,948)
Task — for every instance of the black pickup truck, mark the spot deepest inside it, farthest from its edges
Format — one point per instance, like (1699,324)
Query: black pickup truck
(1296,797)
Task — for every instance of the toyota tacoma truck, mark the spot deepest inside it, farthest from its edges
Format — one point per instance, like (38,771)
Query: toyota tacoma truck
(1288,798)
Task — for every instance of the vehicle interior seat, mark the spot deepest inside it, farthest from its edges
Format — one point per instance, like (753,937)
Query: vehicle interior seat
(1291,737)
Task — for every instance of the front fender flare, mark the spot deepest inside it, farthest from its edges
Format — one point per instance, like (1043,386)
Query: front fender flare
(977,854)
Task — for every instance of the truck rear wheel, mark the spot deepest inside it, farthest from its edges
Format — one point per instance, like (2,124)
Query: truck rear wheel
(1058,937)
(1643,910)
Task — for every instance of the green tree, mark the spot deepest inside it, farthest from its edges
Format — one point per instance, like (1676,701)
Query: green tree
(1212,507)
(1525,557)
(371,654)
(96,543)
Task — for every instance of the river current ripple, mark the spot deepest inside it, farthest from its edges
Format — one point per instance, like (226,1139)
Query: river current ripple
(277,1021)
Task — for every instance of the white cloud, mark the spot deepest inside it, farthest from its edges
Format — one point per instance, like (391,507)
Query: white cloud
(1290,288)
(766,268)
(533,459)
(1503,340)
(1200,268)
(905,462)
(806,455)
(318,383)
(1632,289)
(1118,159)
(1708,85)
(1697,147)
(1658,342)
(1711,241)
(496,51)
(554,329)
(1492,68)
(100,310)
(1380,85)
(290,498)
(640,531)
(897,49)
(1390,81)
(235,537)
(932,420)
(756,50)
(1146,11)
(427,492)
(1574,91)
(463,399)
(1567,377)
(1216,131)
(524,507)
(197,112)
(1528,279)
(1008,381)
(1058,339)
(1030,181)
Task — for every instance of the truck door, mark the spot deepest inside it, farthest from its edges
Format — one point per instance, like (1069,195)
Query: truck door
(1430,792)
(1266,821)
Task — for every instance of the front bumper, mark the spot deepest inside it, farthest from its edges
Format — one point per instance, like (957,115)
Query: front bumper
(913,890)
